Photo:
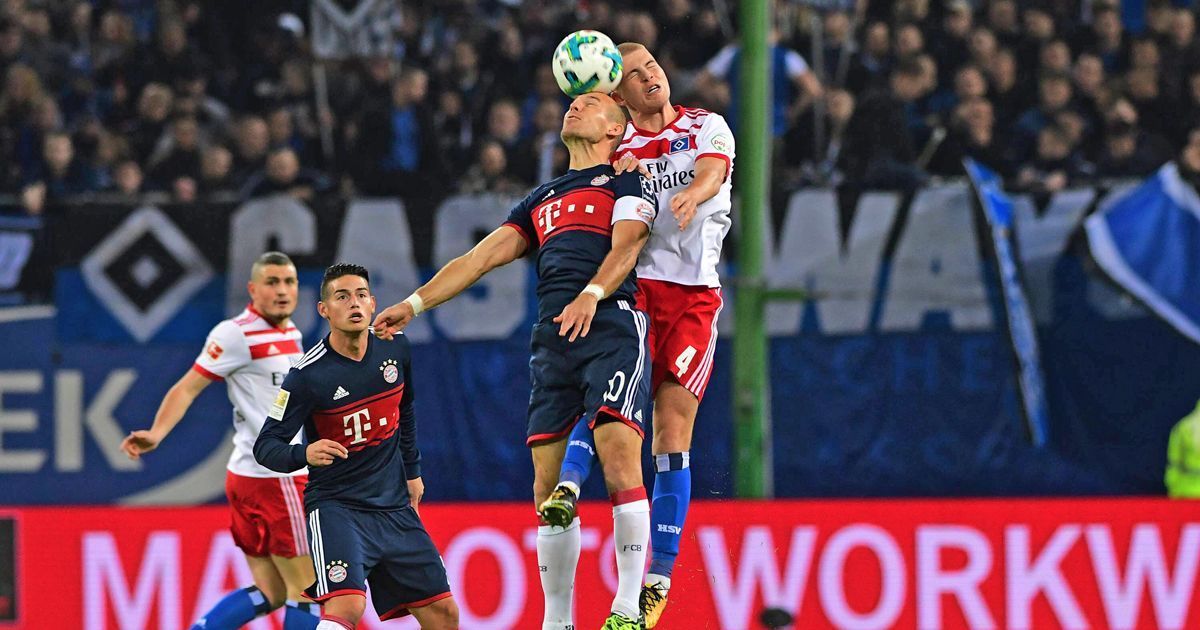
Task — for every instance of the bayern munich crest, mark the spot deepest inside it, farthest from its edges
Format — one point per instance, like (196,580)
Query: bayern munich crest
(600,180)
(336,571)
(390,373)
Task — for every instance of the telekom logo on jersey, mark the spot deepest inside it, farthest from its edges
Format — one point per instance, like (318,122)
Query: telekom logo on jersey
(362,422)
(574,210)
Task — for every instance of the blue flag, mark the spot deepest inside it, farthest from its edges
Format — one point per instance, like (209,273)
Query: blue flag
(1148,242)
(1022,334)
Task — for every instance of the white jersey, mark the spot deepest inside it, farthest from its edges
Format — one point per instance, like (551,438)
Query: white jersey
(687,257)
(252,356)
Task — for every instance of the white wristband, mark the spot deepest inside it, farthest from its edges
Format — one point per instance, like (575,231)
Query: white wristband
(416,303)
(595,290)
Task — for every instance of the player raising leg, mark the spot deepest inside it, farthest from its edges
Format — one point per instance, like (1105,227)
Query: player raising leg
(253,352)
(689,153)
(589,353)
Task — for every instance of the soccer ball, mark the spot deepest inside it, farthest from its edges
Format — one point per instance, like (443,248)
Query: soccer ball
(587,61)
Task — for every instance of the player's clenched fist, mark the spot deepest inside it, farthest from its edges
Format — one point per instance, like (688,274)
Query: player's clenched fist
(576,319)
(392,320)
(323,452)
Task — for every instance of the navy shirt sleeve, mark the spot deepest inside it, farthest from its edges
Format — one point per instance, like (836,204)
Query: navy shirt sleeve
(521,219)
(408,418)
(287,415)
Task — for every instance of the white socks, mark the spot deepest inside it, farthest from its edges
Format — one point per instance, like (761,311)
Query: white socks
(558,555)
(329,624)
(631,536)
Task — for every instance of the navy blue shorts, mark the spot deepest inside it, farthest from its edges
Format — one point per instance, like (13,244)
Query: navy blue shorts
(391,550)
(602,377)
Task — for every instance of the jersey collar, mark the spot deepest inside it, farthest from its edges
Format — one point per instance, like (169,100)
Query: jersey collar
(650,134)
(281,328)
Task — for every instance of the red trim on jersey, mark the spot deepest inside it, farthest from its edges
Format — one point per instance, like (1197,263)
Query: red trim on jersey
(404,610)
(365,401)
(269,331)
(719,156)
(263,350)
(621,497)
(206,374)
(579,228)
(616,416)
(520,230)
(551,437)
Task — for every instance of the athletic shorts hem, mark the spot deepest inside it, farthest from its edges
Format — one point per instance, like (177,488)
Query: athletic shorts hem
(330,595)
(403,610)
(617,417)
(552,437)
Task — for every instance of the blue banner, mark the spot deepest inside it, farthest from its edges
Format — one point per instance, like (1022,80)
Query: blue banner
(998,212)
(1148,242)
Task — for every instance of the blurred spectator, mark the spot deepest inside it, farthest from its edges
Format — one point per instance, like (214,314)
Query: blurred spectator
(818,164)
(128,179)
(1003,20)
(283,175)
(1008,95)
(1054,95)
(1107,38)
(873,61)
(1055,165)
(153,113)
(490,173)
(252,140)
(1129,151)
(504,124)
(216,171)
(59,175)
(179,156)
(951,47)
(542,156)
(1156,112)
(879,152)
(972,135)
(398,147)
(689,32)
(793,84)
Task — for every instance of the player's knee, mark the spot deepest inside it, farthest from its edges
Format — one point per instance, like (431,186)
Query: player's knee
(543,485)
(621,473)
(446,614)
(348,607)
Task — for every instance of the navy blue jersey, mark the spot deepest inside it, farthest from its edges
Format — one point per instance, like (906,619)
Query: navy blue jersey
(366,406)
(570,220)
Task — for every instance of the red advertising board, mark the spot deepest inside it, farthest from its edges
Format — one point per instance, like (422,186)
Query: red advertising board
(1105,563)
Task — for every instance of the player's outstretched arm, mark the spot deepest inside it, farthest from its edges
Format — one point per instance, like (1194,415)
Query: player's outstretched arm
(710,174)
(174,405)
(628,237)
(497,249)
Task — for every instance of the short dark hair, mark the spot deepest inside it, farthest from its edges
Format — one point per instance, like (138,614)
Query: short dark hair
(333,272)
(270,258)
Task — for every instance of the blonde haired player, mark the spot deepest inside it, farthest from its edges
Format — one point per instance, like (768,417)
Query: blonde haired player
(689,155)
(252,353)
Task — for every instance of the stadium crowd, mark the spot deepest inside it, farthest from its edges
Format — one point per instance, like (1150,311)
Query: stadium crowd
(184,98)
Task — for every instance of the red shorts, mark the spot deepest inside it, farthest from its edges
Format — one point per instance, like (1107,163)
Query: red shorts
(268,515)
(683,332)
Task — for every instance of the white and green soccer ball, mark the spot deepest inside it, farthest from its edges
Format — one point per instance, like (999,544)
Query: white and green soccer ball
(587,61)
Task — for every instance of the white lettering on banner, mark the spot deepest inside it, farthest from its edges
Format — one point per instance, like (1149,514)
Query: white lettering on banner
(157,586)
(1145,561)
(224,558)
(1023,581)
(512,576)
(810,256)
(963,584)
(936,267)
(1043,239)
(375,234)
(495,307)
(757,570)
(293,229)
(23,421)
(71,418)
(832,587)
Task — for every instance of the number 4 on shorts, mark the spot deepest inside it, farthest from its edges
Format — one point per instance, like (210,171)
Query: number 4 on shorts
(685,360)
